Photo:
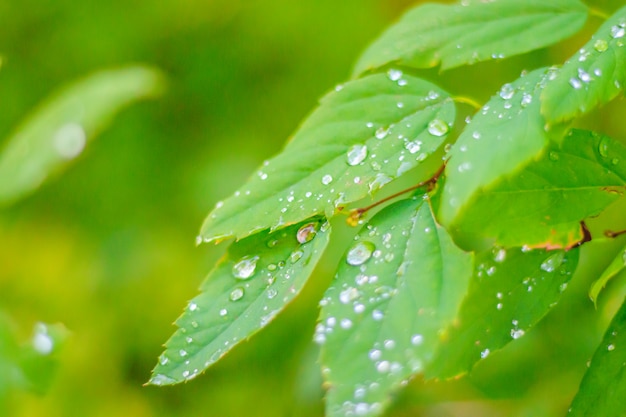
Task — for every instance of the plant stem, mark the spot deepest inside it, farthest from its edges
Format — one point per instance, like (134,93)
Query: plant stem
(356,214)
(612,234)
(467,100)
(598,13)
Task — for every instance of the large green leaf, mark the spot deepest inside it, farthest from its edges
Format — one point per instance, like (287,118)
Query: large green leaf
(603,388)
(617,266)
(505,135)
(361,137)
(593,76)
(511,290)
(58,132)
(400,284)
(472,32)
(254,282)
(543,204)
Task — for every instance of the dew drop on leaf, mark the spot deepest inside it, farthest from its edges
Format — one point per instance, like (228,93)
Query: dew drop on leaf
(307,233)
(236,294)
(603,147)
(356,154)
(438,127)
(553,262)
(295,256)
(394,74)
(161,379)
(575,82)
(600,45)
(617,32)
(246,267)
(327,179)
(360,253)
(507,91)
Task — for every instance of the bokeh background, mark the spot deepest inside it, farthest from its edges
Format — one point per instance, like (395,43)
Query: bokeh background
(107,248)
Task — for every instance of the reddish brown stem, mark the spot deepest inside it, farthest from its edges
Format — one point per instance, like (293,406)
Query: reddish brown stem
(612,234)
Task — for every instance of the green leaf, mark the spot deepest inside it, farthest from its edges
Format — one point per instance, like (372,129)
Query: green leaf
(257,278)
(617,266)
(400,284)
(505,135)
(543,204)
(362,136)
(603,388)
(476,31)
(510,291)
(58,132)
(593,76)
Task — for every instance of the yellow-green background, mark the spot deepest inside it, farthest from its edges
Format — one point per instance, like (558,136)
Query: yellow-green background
(107,248)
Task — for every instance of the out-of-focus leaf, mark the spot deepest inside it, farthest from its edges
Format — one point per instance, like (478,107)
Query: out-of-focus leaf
(257,278)
(59,131)
(510,291)
(472,32)
(362,136)
(617,266)
(400,284)
(506,134)
(603,388)
(593,76)
(543,204)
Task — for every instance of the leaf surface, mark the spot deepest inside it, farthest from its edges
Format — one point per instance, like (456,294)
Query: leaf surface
(256,279)
(603,388)
(59,131)
(503,136)
(593,76)
(510,291)
(361,137)
(400,283)
(617,266)
(455,35)
(543,204)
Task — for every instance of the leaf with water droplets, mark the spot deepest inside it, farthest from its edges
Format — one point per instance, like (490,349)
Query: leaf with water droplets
(399,284)
(456,35)
(257,278)
(59,130)
(603,388)
(543,204)
(506,134)
(617,266)
(507,296)
(360,138)
(593,76)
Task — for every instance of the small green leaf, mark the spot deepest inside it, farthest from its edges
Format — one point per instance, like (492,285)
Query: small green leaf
(472,32)
(400,284)
(362,136)
(505,135)
(511,290)
(617,266)
(603,388)
(258,277)
(543,204)
(58,132)
(593,76)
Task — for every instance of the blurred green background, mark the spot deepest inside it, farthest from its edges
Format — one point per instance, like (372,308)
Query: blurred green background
(107,248)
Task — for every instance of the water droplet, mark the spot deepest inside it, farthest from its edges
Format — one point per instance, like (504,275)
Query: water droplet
(484,353)
(507,91)
(610,347)
(360,253)
(348,295)
(554,156)
(223,312)
(500,255)
(307,232)
(182,353)
(600,45)
(575,82)
(161,379)
(476,135)
(381,133)
(617,31)
(236,294)
(584,75)
(356,154)
(526,99)
(69,141)
(327,179)
(42,342)
(603,147)
(389,344)
(383,366)
(295,256)
(394,74)
(246,267)
(553,262)
(438,127)
(379,182)
(414,146)
(345,323)
(417,339)
(193,306)
(517,333)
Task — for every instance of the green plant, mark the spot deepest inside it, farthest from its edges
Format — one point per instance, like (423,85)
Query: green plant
(473,256)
